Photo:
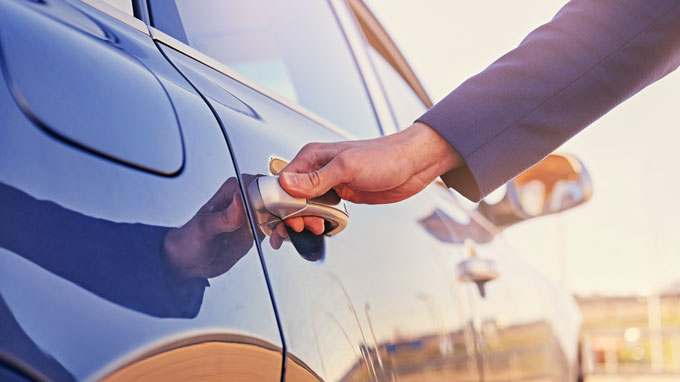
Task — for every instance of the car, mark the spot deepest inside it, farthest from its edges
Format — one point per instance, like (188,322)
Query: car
(132,246)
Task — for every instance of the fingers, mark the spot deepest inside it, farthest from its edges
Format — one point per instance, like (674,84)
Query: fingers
(278,236)
(227,220)
(312,157)
(314,224)
(222,197)
(317,165)
(310,223)
(296,223)
(318,182)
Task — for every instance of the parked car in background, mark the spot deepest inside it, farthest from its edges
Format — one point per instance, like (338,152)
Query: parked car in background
(129,248)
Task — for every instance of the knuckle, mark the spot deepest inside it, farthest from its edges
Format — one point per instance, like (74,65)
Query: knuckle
(345,163)
(342,161)
(314,178)
(225,219)
(313,146)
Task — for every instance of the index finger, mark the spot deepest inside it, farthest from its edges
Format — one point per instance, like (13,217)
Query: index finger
(312,157)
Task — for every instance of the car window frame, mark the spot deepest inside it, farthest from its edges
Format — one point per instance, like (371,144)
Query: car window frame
(118,14)
(377,37)
(349,29)
(368,25)
(349,25)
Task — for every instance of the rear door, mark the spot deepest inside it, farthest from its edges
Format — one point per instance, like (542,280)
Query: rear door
(525,327)
(384,303)
(105,152)
(528,326)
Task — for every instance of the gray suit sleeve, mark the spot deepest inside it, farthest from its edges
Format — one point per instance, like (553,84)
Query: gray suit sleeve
(566,74)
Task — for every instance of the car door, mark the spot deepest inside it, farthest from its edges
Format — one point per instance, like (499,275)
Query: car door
(528,326)
(125,251)
(525,327)
(383,303)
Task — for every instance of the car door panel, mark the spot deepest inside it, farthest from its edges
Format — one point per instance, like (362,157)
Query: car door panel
(49,87)
(87,290)
(527,326)
(385,282)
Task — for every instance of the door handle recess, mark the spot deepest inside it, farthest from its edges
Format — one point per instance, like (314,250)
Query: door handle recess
(273,204)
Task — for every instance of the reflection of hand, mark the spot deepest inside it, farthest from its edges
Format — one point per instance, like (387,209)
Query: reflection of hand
(374,171)
(214,239)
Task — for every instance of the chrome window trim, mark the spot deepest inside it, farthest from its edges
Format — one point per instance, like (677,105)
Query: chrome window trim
(369,24)
(118,14)
(356,41)
(203,58)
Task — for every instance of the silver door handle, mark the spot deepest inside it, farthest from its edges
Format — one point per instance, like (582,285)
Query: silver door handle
(478,271)
(273,204)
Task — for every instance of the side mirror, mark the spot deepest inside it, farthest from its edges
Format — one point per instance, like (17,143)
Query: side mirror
(557,183)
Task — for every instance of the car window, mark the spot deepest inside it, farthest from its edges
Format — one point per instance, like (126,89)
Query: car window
(294,48)
(123,5)
(405,104)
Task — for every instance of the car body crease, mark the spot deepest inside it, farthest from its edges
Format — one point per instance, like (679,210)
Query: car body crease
(251,218)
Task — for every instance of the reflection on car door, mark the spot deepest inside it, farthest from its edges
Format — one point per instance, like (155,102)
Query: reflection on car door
(383,303)
(527,326)
(89,284)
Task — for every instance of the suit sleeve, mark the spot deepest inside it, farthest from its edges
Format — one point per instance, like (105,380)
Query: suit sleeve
(563,76)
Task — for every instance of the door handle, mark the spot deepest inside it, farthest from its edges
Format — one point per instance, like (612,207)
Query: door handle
(476,270)
(273,204)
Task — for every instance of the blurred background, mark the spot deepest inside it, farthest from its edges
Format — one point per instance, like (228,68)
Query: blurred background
(618,254)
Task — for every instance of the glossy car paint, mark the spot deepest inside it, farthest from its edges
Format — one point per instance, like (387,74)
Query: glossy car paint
(384,303)
(371,289)
(526,326)
(85,290)
(37,83)
(528,329)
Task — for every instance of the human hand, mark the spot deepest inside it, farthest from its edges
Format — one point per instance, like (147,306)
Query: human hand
(374,171)
(297,224)
(214,239)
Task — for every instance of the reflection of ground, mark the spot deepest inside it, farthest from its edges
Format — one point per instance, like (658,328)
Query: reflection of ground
(524,352)
(634,378)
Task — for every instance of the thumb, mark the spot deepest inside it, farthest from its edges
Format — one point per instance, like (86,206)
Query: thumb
(315,183)
(229,219)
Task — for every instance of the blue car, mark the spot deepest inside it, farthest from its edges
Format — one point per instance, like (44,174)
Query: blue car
(140,235)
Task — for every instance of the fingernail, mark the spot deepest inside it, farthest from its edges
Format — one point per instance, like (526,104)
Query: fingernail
(291,179)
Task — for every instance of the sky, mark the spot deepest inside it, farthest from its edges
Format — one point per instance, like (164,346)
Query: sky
(625,239)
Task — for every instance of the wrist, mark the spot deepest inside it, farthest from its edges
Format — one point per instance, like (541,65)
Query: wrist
(430,150)
(173,250)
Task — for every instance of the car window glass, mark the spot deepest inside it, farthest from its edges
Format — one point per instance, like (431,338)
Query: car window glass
(405,104)
(123,5)
(294,48)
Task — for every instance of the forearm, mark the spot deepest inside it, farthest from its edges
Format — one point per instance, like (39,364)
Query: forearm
(566,74)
